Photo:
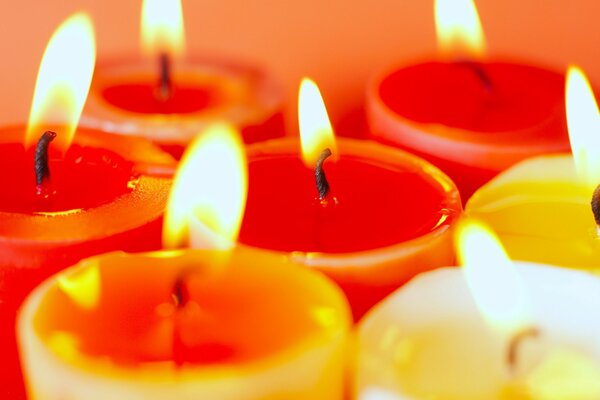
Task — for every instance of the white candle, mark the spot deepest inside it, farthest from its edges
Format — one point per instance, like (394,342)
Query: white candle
(430,339)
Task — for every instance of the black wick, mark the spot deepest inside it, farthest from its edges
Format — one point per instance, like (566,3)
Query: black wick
(481,74)
(320,177)
(165,87)
(42,170)
(180,291)
(596,205)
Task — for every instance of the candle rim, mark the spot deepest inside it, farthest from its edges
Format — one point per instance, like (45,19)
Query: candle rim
(267,98)
(145,191)
(332,263)
(480,144)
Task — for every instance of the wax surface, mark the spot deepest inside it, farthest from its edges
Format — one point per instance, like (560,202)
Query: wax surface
(519,96)
(229,317)
(141,97)
(541,212)
(83,178)
(430,340)
(377,205)
(472,120)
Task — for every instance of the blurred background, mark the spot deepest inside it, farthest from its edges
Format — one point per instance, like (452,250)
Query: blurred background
(339,43)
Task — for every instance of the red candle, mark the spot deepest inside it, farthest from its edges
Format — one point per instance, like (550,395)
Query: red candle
(386,217)
(473,119)
(64,202)
(170,98)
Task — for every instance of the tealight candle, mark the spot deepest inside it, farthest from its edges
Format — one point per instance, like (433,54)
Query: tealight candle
(65,202)
(469,117)
(541,206)
(229,324)
(493,330)
(169,98)
(370,217)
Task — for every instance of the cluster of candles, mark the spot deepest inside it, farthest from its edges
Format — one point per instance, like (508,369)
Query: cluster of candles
(163,238)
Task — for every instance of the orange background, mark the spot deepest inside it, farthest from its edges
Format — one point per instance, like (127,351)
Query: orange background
(337,42)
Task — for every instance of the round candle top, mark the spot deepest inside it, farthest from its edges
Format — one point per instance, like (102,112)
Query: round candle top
(429,340)
(516,110)
(382,197)
(94,177)
(197,309)
(542,212)
(124,98)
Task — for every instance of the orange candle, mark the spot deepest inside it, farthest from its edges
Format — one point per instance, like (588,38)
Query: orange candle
(229,324)
(169,97)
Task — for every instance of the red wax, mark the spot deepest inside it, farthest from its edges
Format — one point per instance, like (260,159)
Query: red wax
(140,97)
(391,218)
(102,201)
(378,205)
(470,128)
(84,178)
(123,100)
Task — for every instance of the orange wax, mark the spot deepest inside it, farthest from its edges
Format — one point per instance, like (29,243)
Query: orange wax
(186,320)
(123,100)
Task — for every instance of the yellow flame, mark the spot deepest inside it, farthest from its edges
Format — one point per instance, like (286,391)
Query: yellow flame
(162,29)
(316,133)
(82,287)
(583,121)
(209,189)
(492,278)
(63,81)
(458,28)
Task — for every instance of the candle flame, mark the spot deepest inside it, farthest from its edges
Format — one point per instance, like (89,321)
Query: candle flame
(316,133)
(458,28)
(83,287)
(162,28)
(63,81)
(209,191)
(492,278)
(583,122)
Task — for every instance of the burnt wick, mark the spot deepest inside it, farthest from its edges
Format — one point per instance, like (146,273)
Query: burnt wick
(481,74)
(320,177)
(42,170)
(165,87)
(180,291)
(512,353)
(596,206)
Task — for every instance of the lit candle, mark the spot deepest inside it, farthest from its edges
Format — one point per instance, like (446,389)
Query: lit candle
(63,202)
(367,215)
(229,324)
(470,117)
(492,330)
(541,206)
(169,97)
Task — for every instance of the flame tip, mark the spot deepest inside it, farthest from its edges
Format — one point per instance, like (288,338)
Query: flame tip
(162,28)
(62,84)
(217,210)
(459,28)
(316,132)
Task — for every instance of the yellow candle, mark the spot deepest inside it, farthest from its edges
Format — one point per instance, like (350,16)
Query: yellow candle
(540,208)
(493,330)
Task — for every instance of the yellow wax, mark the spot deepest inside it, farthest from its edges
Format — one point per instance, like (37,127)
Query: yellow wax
(541,213)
